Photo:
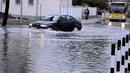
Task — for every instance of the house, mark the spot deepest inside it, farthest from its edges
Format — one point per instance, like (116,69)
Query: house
(35,8)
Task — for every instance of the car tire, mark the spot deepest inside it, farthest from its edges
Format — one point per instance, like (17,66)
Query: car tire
(72,29)
(79,28)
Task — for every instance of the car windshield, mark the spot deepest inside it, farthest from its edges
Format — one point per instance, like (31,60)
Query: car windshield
(50,18)
(117,10)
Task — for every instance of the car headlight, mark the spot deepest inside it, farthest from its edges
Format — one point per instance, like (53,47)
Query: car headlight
(43,25)
(30,24)
(123,17)
(110,16)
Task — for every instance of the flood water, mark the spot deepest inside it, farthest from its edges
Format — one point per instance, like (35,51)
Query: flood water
(30,50)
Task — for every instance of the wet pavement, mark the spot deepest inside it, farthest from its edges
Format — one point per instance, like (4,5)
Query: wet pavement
(30,50)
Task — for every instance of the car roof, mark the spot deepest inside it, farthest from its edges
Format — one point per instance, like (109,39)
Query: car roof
(58,15)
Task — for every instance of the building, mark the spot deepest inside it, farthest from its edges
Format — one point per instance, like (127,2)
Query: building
(35,8)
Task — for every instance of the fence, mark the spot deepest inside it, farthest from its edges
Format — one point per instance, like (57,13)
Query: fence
(120,56)
(77,11)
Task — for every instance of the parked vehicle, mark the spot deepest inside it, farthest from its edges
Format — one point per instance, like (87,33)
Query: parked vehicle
(58,22)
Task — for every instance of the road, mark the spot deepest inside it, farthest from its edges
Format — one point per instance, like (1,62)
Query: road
(30,50)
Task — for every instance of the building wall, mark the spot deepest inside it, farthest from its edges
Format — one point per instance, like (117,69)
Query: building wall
(46,7)
(28,10)
(40,7)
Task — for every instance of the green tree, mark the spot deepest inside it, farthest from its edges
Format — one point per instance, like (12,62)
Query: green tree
(77,2)
(5,18)
(91,3)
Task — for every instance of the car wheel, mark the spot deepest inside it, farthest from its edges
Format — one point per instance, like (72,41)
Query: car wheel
(72,29)
(54,27)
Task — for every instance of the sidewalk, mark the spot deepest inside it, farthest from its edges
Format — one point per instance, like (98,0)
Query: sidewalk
(92,20)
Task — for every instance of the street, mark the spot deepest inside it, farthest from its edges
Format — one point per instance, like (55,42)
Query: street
(31,50)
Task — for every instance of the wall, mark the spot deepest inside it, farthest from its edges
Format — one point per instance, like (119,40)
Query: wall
(77,11)
(40,8)
(44,8)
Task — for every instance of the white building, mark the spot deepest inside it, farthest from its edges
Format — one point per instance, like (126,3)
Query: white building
(35,7)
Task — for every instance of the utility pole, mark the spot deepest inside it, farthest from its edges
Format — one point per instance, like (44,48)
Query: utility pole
(1,6)
(40,10)
(4,23)
(60,6)
(37,8)
(68,7)
(21,12)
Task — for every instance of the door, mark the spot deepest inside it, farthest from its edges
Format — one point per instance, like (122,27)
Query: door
(70,22)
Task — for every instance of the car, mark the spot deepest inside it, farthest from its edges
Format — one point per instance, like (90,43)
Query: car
(58,22)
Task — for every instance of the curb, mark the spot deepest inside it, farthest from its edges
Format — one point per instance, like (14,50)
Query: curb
(93,21)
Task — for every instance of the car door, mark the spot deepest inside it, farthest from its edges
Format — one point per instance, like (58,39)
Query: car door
(61,24)
(70,22)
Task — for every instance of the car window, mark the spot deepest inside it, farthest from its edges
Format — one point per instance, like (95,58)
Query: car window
(47,18)
(62,19)
(50,18)
(55,18)
(70,19)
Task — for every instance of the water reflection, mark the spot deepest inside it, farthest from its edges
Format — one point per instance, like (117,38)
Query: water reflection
(15,51)
(5,49)
(65,55)
(123,26)
(110,24)
(86,56)
(35,51)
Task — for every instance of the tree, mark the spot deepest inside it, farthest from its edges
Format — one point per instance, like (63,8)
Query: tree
(5,18)
(77,2)
(91,3)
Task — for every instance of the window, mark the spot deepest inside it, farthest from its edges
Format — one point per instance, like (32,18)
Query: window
(62,19)
(17,1)
(70,19)
(118,4)
(31,2)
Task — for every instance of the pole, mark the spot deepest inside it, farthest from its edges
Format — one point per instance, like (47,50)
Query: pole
(60,5)
(21,12)
(40,10)
(1,6)
(68,7)
(5,18)
(112,69)
(37,8)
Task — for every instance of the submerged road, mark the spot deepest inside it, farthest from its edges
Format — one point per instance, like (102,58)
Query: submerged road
(30,50)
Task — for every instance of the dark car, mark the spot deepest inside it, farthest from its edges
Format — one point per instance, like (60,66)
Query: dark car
(58,22)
